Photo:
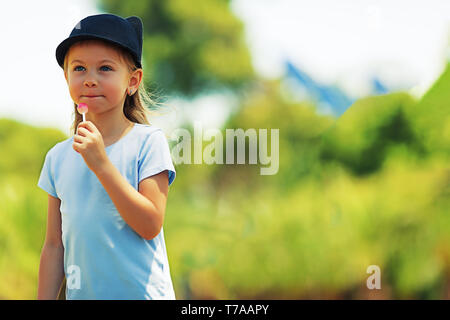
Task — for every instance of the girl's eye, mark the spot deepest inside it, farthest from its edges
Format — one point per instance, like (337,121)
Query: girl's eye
(76,68)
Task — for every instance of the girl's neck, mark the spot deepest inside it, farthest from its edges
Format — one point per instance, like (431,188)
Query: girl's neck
(112,129)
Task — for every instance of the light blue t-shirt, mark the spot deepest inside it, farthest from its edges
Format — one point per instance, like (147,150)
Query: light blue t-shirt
(103,257)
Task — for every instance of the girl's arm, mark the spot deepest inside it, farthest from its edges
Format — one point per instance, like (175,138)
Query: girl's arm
(51,268)
(142,210)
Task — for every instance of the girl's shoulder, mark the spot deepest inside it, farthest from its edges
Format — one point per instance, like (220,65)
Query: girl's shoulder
(147,127)
(150,137)
(147,130)
(61,147)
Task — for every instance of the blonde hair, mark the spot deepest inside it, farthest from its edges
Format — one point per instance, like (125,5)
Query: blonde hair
(137,107)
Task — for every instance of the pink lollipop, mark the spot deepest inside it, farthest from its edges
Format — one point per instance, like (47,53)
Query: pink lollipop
(83,109)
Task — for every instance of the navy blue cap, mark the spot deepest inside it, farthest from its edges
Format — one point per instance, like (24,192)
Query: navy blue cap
(126,33)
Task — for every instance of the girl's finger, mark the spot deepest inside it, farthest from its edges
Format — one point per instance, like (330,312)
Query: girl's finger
(76,146)
(82,131)
(84,124)
(77,139)
(90,126)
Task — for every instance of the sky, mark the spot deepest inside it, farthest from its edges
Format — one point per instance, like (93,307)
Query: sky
(405,43)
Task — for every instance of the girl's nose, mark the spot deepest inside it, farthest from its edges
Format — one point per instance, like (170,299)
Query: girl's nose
(90,82)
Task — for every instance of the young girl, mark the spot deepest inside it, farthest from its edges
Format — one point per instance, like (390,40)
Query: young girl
(108,184)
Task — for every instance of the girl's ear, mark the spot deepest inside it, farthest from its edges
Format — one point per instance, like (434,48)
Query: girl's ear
(136,78)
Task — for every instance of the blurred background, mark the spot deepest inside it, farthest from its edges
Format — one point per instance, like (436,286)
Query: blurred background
(359,91)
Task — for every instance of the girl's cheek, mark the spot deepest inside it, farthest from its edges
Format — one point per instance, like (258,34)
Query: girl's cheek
(78,82)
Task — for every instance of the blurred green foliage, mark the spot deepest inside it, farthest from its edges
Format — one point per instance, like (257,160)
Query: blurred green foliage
(431,117)
(363,137)
(23,208)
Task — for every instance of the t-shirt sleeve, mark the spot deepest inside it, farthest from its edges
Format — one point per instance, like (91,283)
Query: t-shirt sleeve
(155,157)
(46,179)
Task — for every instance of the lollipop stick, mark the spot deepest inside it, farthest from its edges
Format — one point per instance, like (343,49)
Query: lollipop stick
(84,117)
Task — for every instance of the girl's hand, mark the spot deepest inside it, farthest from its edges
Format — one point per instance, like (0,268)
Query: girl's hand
(89,143)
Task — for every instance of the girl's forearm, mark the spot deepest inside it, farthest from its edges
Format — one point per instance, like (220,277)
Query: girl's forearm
(51,272)
(136,210)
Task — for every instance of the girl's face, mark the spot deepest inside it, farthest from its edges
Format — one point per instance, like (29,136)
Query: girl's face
(97,76)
